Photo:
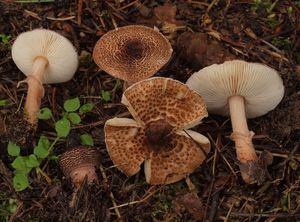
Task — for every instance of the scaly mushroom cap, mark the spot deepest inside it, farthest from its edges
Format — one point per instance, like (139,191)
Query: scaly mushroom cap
(164,102)
(132,53)
(125,142)
(260,85)
(57,50)
(163,98)
(79,162)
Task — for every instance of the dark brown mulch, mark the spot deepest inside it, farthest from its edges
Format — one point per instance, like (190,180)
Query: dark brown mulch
(248,30)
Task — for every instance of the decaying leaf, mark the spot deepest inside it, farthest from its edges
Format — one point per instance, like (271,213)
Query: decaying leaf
(191,203)
(164,17)
(198,51)
(166,14)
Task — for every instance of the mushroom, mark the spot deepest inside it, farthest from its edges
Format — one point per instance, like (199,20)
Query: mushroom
(242,90)
(44,56)
(132,53)
(80,162)
(163,109)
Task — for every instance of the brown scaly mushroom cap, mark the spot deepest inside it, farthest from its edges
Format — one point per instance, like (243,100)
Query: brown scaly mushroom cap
(163,109)
(132,53)
(79,162)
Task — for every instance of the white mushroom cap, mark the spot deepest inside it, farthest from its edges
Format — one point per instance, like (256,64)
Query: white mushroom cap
(260,85)
(58,50)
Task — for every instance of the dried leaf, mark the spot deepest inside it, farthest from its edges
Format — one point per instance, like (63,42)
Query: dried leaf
(166,13)
(191,203)
(198,51)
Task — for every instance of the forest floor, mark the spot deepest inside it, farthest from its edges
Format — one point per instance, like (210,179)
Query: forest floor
(256,31)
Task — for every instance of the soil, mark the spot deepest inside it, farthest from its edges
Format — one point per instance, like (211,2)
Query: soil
(201,33)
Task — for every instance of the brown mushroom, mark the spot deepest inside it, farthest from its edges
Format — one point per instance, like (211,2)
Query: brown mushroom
(80,162)
(132,53)
(163,109)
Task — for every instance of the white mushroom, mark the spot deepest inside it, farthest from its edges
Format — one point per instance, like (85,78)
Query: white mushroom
(243,90)
(44,56)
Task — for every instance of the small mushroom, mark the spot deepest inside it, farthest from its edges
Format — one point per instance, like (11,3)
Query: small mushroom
(162,109)
(44,56)
(80,162)
(242,90)
(132,53)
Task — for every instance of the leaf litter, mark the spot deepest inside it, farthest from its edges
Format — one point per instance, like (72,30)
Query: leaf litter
(202,33)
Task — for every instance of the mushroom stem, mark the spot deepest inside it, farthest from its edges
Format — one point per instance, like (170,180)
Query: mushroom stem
(35,89)
(241,135)
(127,85)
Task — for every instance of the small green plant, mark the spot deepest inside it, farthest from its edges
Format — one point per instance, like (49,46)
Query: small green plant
(23,165)
(5,102)
(86,139)
(283,43)
(5,39)
(8,206)
(105,95)
(268,6)
(71,116)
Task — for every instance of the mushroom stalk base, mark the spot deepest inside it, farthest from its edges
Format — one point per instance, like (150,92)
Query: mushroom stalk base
(241,135)
(35,90)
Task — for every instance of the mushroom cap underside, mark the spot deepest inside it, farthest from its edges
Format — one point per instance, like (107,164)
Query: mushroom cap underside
(56,49)
(125,142)
(164,98)
(132,53)
(260,85)
(78,157)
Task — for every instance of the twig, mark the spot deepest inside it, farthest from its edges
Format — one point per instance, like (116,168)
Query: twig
(100,122)
(79,11)
(222,156)
(190,184)
(214,206)
(110,193)
(282,155)
(238,214)
(228,213)
(137,201)
(128,5)
(210,6)
(61,19)
(212,184)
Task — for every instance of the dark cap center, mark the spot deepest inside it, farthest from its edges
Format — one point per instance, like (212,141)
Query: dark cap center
(158,134)
(134,49)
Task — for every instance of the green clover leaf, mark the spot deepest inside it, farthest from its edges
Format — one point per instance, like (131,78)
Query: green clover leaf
(63,127)
(31,161)
(105,95)
(86,108)
(20,181)
(44,113)
(71,105)
(74,118)
(13,149)
(87,139)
